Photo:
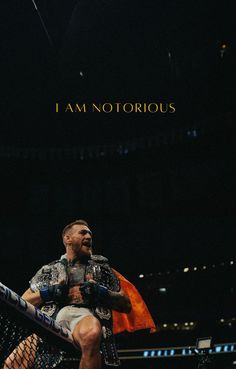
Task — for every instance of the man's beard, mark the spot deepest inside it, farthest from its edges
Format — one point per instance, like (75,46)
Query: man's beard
(80,252)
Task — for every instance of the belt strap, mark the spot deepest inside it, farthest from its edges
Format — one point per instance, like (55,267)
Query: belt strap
(80,305)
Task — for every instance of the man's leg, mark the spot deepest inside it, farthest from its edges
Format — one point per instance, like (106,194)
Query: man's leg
(87,334)
(24,354)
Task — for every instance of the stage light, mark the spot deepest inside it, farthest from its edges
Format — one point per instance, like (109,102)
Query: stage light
(222,320)
(192,323)
(141,276)
(232,262)
(186,270)
(203,346)
(203,343)
(164,325)
(204,267)
(175,324)
(186,324)
(162,290)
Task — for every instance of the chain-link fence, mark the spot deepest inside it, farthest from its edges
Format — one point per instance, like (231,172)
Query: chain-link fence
(26,345)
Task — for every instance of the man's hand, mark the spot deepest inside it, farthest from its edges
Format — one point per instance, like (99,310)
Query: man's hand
(94,293)
(54,293)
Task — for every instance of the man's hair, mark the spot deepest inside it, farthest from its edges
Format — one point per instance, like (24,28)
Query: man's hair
(69,226)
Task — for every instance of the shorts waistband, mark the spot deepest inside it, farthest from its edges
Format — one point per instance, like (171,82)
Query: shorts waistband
(80,305)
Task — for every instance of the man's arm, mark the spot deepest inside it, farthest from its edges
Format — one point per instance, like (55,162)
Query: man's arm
(33,298)
(119,301)
(93,292)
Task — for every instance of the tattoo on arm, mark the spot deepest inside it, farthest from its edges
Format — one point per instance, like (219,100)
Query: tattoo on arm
(119,301)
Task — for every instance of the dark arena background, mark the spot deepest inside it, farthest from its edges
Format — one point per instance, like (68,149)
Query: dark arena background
(156,187)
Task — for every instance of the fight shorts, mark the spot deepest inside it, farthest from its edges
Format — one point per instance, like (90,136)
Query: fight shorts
(70,315)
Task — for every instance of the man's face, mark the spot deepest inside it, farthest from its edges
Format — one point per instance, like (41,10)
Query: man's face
(80,239)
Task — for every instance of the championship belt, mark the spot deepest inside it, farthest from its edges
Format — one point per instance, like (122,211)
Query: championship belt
(49,275)
(101,273)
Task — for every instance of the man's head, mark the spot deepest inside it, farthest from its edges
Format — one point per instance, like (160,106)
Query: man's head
(77,239)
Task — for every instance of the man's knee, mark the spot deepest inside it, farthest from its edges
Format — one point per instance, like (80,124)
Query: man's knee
(88,333)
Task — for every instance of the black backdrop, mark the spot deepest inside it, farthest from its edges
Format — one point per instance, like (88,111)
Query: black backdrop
(157,189)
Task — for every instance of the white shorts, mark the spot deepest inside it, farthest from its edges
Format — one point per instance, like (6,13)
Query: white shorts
(69,316)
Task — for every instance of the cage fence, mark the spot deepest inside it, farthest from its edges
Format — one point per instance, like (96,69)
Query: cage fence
(24,344)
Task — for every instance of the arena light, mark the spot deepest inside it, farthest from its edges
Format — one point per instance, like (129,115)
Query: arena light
(204,343)
(203,352)
(162,289)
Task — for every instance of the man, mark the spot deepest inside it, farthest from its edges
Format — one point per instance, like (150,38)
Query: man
(77,295)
